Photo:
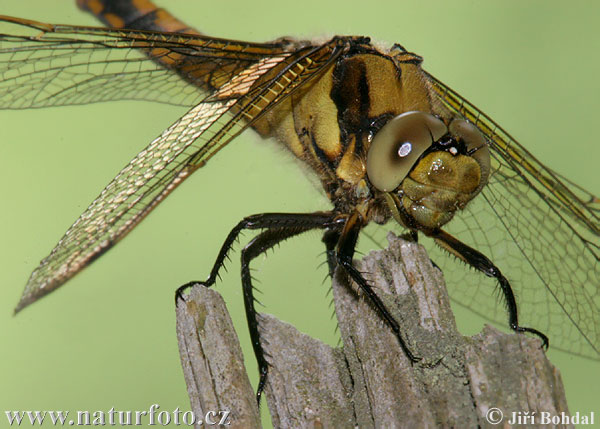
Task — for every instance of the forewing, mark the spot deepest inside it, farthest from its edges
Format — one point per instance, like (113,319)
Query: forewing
(169,159)
(541,230)
(53,65)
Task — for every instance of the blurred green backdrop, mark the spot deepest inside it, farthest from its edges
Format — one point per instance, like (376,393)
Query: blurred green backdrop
(107,339)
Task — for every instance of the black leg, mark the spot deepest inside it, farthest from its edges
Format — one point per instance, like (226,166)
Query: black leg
(278,227)
(261,221)
(414,235)
(260,244)
(345,252)
(331,238)
(480,262)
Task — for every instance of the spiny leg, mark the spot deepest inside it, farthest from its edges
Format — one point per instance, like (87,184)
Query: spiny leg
(345,252)
(482,263)
(260,244)
(331,238)
(259,221)
(278,227)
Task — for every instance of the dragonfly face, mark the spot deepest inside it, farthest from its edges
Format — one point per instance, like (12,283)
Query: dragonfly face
(344,173)
(427,170)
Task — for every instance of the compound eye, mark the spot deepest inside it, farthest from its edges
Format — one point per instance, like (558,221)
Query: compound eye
(475,143)
(398,145)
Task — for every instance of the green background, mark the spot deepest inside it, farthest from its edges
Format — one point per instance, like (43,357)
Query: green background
(108,338)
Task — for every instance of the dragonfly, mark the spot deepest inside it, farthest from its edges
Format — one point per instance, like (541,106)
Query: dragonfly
(231,86)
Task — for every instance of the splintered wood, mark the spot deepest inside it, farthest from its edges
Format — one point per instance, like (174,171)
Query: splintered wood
(369,382)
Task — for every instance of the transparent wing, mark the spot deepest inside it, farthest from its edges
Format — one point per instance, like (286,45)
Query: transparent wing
(184,147)
(540,229)
(52,65)
(591,201)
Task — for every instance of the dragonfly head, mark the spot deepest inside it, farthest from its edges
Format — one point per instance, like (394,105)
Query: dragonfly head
(425,169)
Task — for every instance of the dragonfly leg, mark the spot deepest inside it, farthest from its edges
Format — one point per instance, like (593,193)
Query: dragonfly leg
(277,227)
(331,238)
(258,221)
(345,251)
(260,244)
(482,263)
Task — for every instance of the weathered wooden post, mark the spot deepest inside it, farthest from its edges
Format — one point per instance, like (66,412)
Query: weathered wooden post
(369,382)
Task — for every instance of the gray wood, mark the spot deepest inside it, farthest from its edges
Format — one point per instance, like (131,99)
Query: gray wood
(369,382)
(308,382)
(212,361)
